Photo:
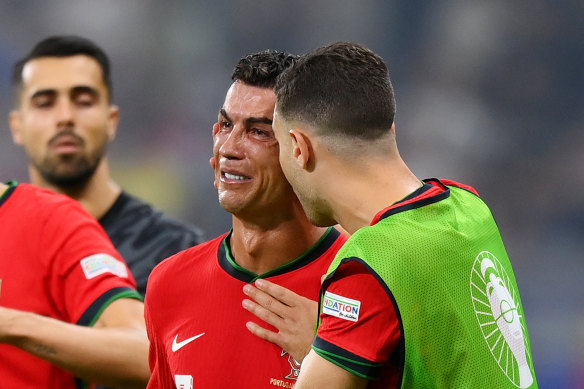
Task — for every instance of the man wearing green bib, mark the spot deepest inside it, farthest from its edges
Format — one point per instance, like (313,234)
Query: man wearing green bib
(423,294)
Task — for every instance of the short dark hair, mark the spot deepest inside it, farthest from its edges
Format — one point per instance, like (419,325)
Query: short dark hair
(263,68)
(343,88)
(65,46)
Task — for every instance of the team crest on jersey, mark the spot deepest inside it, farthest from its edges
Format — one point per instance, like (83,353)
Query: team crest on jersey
(294,366)
(340,306)
(97,264)
(500,316)
(294,372)
(183,381)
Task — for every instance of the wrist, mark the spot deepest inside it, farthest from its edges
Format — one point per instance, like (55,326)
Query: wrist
(13,324)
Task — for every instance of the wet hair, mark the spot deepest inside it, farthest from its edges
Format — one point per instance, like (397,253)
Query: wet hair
(65,46)
(340,89)
(262,69)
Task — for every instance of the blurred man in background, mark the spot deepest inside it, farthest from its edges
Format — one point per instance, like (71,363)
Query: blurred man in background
(195,320)
(64,118)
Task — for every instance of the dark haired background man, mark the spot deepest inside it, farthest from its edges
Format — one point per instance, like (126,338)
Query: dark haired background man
(64,118)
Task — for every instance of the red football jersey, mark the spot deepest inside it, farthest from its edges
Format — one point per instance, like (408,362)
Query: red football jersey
(349,343)
(196,324)
(56,261)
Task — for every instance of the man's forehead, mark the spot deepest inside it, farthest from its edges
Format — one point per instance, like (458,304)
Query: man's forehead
(59,72)
(249,101)
(235,113)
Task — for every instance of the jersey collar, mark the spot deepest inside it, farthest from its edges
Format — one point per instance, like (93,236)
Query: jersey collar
(228,263)
(430,192)
(11,187)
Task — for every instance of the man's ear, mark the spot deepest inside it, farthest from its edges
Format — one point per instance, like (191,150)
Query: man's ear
(216,128)
(114,119)
(14,120)
(302,150)
(213,163)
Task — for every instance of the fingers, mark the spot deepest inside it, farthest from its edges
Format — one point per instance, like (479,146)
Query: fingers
(267,317)
(262,313)
(268,302)
(281,294)
(262,333)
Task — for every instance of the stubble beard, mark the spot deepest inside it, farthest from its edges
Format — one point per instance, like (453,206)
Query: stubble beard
(315,208)
(70,172)
(318,218)
(230,204)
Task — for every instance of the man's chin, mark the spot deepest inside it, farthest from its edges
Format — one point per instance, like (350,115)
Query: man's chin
(68,179)
(320,220)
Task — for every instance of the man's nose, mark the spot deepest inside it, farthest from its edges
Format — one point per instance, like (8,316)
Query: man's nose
(233,144)
(64,113)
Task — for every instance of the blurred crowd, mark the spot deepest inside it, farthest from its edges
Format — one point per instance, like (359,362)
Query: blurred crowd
(488,93)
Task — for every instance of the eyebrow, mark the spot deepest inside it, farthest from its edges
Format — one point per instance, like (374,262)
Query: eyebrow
(74,91)
(84,89)
(43,92)
(249,120)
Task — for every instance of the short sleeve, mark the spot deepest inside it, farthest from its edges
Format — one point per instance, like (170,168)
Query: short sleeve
(359,328)
(86,271)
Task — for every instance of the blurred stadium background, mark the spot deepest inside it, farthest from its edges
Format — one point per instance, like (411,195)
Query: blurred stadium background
(488,93)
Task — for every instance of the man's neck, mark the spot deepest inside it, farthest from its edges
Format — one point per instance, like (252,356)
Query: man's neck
(261,250)
(96,196)
(371,189)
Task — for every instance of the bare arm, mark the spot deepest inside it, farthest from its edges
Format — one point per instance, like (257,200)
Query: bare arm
(112,352)
(293,315)
(317,373)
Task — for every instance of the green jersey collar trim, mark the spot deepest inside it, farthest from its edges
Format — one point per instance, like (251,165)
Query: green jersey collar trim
(11,187)
(228,263)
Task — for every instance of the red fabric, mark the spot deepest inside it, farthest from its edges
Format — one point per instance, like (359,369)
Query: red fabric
(458,184)
(44,237)
(376,333)
(436,189)
(190,294)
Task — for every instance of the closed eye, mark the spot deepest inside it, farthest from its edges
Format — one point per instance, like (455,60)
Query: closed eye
(84,96)
(43,99)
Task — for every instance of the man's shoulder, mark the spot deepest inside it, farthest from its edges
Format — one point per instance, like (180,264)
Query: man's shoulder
(190,258)
(131,213)
(194,260)
(43,203)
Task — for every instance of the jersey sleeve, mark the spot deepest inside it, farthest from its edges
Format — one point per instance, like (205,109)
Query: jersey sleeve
(359,328)
(86,271)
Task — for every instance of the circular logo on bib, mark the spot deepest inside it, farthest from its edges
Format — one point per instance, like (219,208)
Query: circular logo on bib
(499,313)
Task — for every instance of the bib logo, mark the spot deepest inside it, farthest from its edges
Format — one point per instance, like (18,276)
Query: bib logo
(340,306)
(499,313)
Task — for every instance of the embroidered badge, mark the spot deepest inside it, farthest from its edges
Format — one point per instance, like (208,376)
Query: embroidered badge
(183,381)
(97,264)
(294,365)
(340,306)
